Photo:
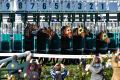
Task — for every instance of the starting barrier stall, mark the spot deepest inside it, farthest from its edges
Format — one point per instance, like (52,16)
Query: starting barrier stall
(113,34)
(78,42)
(66,43)
(44,43)
(101,27)
(90,41)
(55,42)
(6,36)
(18,36)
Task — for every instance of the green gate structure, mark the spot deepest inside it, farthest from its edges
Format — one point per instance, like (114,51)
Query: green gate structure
(95,15)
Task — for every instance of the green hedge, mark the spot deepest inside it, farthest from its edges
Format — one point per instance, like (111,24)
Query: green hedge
(75,72)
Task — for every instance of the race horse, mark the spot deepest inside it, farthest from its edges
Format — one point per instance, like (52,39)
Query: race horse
(54,44)
(102,42)
(29,36)
(79,35)
(66,42)
(66,39)
(44,36)
(46,41)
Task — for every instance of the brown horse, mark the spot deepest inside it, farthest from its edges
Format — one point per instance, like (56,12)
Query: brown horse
(66,31)
(80,31)
(103,37)
(29,36)
(66,40)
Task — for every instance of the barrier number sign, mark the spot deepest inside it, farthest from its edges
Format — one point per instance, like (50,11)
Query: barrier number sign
(21,5)
(67,6)
(102,6)
(57,5)
(79,6)
(113,6)
(7,5)
(44,5)
(32,5)
(90,6)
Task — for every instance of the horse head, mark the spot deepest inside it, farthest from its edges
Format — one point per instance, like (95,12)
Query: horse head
(80,31)
(66,31)
(103,37)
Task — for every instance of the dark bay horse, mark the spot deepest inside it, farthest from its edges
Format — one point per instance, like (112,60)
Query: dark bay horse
(29,36)
(79,35)
(102,41)
(66,39)
(66,42)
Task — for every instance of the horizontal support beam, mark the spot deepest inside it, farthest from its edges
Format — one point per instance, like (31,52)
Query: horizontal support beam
(19,55)
(51,55)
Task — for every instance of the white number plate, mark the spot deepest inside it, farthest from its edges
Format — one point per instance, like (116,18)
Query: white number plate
(113,6)
(90,6)
(79,6)
(21,5)
(7,5)
(67,6)
(31,5)
(44,6)
(102,6)
(55,6)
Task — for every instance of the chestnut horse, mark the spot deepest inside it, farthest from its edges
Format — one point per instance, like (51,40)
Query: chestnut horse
(66,37)
(66,42)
